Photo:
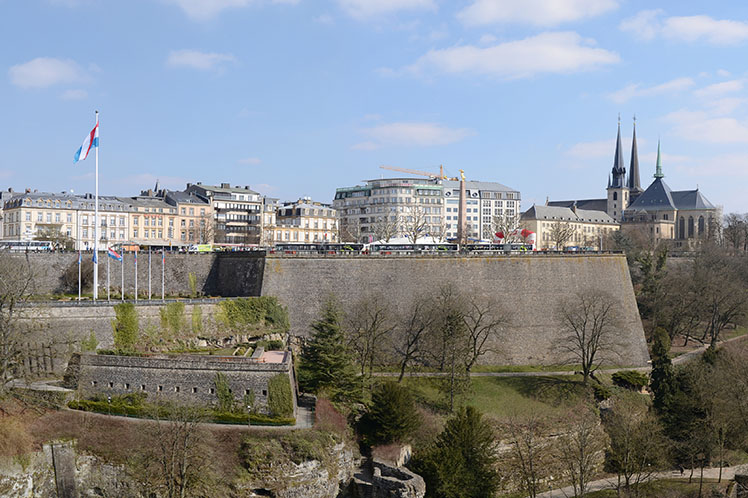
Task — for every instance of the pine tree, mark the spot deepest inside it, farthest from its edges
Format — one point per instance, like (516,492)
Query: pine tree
(393,415)
(662,376)
(462,461)
(326,363)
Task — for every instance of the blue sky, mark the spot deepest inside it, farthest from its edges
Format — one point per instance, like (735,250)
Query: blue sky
(297,97)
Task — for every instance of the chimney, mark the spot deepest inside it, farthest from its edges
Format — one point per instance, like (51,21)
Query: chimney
(574,207)
(225,185)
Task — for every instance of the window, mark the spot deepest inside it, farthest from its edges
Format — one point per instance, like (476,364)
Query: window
(127,386)
(160,388)
(264,392)
(70,218)
(142,387)
(176,389)
(40,217)
(194,390)
(212,390)
(111,384)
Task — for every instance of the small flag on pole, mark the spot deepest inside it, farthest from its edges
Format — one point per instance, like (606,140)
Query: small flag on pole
(79,258)
(95,257)
(91,140)
(114,254)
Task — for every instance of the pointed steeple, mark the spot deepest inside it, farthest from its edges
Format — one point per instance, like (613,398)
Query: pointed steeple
(634,184)
(608,180)
(658,172)
(619,172)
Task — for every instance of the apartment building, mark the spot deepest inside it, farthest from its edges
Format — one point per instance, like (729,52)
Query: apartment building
(305,221)
(237,211)
(489,206)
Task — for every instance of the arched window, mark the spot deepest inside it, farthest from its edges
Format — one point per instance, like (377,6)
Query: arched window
(701,226)
(690,227)
(682,228)
(615,196)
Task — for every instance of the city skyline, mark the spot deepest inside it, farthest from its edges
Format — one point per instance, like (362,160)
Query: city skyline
(296,98)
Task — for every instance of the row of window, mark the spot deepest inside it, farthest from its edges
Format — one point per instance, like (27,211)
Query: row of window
(176,389)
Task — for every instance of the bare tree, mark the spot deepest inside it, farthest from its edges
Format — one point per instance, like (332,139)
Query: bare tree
(413,223)
(561,232)
(206,229)
(385,227)
(349,230)
(506,225)
(368,327)
(483,319)
(638,445)
(589,320)
(409,341)
(581,447)
(53,233)
(734,231)
(530,454)
(16,277)
(175,465)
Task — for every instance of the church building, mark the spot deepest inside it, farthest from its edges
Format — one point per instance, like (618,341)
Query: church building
(659,213)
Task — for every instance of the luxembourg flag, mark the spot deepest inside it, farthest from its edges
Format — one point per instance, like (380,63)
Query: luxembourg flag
(91,140)
(114,254)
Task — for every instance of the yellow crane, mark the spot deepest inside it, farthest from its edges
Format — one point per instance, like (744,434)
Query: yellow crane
(419,173)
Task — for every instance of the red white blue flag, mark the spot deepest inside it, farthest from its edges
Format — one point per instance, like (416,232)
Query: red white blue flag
(91,140)
(114,254)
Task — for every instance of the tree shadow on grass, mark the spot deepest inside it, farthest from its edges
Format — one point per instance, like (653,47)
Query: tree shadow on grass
(548,389)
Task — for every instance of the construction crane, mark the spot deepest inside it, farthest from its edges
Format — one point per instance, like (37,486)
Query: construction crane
(420,173)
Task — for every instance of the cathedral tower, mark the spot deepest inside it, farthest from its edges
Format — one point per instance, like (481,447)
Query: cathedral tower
(618,191)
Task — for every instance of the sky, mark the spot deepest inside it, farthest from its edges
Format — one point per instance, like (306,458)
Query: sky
(297,97)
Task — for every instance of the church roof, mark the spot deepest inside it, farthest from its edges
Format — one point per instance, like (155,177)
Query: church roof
(634,183)
(567,214)
(691,199)
(590,204)
(657,196)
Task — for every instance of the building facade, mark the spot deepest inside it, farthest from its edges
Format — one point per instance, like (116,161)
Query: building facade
(558,228)
(305,221)
(237,212)
(490,207)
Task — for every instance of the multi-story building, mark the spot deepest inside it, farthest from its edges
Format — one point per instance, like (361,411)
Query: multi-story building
(489,207)
(559,227)
(270,208)
(42,215)
(237,212)
(5,196)
(305,221)
(194,223)
(150,218)
(389,208)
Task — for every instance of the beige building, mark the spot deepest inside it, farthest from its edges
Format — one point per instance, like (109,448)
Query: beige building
(305,221)
(236,210)
(559,228)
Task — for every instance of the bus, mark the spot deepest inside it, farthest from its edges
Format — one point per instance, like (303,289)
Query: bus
(26,245)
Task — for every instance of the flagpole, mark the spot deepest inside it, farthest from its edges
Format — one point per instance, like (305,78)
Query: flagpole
(149,273)
(108,297)
(122,281)
(136,275)
(79,274)
(96,219)
(163,265)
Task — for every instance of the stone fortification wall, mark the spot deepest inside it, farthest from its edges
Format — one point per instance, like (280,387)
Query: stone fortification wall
(182,378)
(530,287)
(216,274)
(68,322)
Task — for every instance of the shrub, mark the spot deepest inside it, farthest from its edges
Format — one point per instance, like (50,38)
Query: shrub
(125,327)
(328,419)
(274,345)
(192,282)
(601,392)
(226,401)
(89,344)
(248,313)
(197,320)
(630,379)
(280,396)
(172,320)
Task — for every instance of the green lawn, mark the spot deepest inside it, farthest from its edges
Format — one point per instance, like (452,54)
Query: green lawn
(504,396)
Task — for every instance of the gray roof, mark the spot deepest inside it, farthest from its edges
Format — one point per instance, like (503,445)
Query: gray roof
(567,214)
(634,183)
(590,204)
(225,190)
(476,185)
(691,199)
(186,197)
(658,196)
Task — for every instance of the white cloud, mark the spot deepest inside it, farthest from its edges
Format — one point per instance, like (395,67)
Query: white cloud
(635,90)
(44,72)
(558,52)
(696,28)
(365,9)
(324,19)
(647,24)
(700,126)
(204,10)
(487,39)
(718,89)
(723,73)
(195,59)
(534,12)
(724,106)
(74,94)
(411,134)
(250,160)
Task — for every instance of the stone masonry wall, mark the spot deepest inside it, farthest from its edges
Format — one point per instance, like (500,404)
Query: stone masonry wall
(530,287)
(183,378)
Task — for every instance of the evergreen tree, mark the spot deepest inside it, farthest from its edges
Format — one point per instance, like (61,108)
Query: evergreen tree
(393,415)
(662,376)
(326,363)
(462,461)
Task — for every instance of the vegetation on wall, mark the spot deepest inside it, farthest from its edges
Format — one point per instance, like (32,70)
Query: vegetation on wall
(89,344)
(197,320)
(280,397)
(246,314)
(173,321)
(125,327)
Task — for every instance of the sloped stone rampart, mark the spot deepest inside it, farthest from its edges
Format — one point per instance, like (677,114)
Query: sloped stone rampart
(530,287)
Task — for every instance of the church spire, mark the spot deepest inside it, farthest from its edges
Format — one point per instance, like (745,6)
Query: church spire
(619,172)
(634,183)
(658,173)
